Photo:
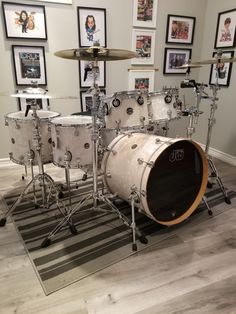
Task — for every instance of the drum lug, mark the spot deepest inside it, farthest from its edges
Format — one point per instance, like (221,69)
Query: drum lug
(157,141)
(141,161)
(6,123)
(108,174)
(76,133)
(13,140)
(114,152)
(143,193)
(10,155)
(17,126)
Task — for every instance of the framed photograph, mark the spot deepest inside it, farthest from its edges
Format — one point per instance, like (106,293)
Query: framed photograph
(42,103)
(86,74)
(24,21)
(29,65)
(145,13)
(143,42)
(141,79)
(86,100)
(175,57)
(221,73)
(180,29)
(92,26)
(225,29)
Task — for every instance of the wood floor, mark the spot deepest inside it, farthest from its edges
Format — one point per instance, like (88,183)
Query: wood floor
(193,271)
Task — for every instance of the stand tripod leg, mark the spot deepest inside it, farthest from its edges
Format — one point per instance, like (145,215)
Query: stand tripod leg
(207,205)
(214,173)
(66,220)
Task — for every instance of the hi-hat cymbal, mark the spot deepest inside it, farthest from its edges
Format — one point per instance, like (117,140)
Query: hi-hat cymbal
(216,60)
(36,93)
(96,53)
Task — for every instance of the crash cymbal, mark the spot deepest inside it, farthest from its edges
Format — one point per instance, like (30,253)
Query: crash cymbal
(188,65)
(96,53)
(216,60)
(35,93)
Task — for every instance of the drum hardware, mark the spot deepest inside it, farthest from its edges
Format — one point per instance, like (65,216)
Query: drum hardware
(42,178)
(96,54)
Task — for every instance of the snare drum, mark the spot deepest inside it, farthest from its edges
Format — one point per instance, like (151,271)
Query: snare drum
(21,131)
(124,110)
(169,176)
(71,141)
(163,106)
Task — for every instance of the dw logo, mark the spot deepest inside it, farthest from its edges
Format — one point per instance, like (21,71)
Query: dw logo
(176,155)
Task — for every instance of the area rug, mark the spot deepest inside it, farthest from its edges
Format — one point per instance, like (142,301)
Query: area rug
(102,239)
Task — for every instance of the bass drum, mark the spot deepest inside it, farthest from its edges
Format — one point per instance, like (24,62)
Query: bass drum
(169,175)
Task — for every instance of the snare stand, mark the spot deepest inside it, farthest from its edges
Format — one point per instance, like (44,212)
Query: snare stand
(41,177)
(96,197)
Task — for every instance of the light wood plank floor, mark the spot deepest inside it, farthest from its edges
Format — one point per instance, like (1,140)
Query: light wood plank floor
(193,271)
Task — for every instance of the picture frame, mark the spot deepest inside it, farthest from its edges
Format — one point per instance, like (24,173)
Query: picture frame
(23,21)
(86,100)
(29,65)
(42,102)
(145,13)
(180,29)
(226,29)
(175,57)
(86,75)
(143,42)
(141,79)
(223,73)
(92,26)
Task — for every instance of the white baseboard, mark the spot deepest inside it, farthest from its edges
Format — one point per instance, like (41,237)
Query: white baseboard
(6,162)
(220,155)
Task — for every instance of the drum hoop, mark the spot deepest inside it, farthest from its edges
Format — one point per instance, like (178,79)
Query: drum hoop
(7,118)
(134,93)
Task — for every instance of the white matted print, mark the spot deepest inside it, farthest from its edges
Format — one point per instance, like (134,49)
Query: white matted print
(141,79)
(87,76)
(226,29)
(92,26)
(86,100)
(143,42)
(174,58)
(145,13)
(29,64)
(220,73)
(42,103)
(180,29)
(24,21)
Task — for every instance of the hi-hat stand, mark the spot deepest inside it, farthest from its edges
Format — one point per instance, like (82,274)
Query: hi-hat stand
(42,178)
(97,197)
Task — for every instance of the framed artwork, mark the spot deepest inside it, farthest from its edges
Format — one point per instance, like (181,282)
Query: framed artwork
(57,1)
(24,21)
(86,100)
(145,13)
(225,29)
(29,65)
(143,42)
(221,73)
(141,79)
(86,74)
(180,29)
(175,57)
(92,26)
(42,103)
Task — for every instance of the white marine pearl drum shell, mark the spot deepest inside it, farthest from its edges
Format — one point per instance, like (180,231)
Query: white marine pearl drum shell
(169,175)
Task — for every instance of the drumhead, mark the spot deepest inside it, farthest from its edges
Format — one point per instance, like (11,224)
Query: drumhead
(175,181)
(72,120)
(42,114)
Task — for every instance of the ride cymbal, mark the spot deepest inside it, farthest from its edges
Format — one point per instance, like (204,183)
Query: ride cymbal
(216,60)
(96,53)
(188,65)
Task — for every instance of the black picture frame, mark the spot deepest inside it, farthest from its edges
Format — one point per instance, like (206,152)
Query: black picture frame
(43,103)
(86,74)
(24,21)
(226,30)
(175,57)
(29,65)
(96,32)
(86,100)
(180,29)
(224,70)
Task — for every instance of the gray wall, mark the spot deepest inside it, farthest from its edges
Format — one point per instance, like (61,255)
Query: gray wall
(63,77)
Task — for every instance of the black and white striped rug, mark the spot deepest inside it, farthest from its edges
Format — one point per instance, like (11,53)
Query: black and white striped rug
(102,239)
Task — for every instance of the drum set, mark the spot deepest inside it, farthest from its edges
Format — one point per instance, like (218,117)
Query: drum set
(163,178)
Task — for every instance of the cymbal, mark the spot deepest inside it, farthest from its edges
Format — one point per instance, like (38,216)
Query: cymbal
(188,65)
(36,93)
(96,53)
(216,60)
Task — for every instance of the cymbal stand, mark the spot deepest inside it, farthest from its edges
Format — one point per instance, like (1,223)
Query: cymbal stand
(96,196)
(211,121)
(42,178)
